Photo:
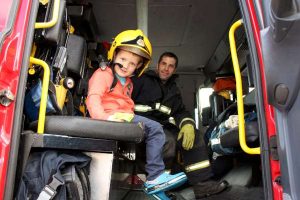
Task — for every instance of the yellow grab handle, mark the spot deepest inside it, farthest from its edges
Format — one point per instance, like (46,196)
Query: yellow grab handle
(53,21)
(239,91)
(44,95)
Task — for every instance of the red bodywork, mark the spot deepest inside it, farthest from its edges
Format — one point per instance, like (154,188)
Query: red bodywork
(11,56)
(269,110)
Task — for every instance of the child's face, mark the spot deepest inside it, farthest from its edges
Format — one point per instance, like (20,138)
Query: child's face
(130,62)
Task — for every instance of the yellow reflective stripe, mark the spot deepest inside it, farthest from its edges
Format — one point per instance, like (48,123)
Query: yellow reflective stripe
(172,120)
(158,106)
(197,166)
(186,119)
(165,109)
(142,108)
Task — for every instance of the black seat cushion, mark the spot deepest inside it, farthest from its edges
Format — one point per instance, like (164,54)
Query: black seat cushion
(90,128)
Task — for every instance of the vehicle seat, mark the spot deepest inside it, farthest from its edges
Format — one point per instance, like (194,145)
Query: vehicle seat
(230,137)
(218,105)
(76,59)
(77,126)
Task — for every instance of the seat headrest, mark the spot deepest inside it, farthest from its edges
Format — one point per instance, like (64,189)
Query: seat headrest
(76,50)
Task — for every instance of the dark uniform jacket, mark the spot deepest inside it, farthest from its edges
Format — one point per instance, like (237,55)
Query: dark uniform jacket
(162,101)
(158,101)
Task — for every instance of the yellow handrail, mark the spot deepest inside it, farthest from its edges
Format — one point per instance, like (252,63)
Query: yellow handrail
(53,21)
(239,91)
(44,95)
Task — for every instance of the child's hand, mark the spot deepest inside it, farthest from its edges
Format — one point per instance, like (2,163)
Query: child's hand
(114,119)
(127,117)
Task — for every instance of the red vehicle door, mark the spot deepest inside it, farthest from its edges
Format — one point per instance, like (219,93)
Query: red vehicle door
(14,17)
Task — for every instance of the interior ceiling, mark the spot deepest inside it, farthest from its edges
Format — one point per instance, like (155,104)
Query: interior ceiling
(192,29)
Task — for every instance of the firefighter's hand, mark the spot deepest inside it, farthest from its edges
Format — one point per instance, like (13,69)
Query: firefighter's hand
(188,134)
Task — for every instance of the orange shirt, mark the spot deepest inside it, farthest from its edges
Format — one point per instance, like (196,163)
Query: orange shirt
(101,103)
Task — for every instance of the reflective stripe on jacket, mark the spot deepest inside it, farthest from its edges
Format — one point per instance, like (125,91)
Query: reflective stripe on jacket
(159,101)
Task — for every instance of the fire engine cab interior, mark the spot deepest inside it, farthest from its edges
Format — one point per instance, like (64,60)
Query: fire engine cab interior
(69,41)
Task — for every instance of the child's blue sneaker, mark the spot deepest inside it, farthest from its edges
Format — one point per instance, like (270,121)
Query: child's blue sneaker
(165,182)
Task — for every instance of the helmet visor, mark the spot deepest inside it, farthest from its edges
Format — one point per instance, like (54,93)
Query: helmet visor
(135,50)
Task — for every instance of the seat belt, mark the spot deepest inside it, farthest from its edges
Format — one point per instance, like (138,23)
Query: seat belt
(50,190)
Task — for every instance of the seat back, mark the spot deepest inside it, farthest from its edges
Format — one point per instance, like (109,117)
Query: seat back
(56,34)
(218,104)
(76,59)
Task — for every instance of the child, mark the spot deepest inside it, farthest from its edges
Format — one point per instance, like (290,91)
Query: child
(109,98)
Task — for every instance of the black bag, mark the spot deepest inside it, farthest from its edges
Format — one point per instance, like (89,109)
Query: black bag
(55,175)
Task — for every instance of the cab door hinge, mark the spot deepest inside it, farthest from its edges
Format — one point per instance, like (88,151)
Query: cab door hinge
(273,147)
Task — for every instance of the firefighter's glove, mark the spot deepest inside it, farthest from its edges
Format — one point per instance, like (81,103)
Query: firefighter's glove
(127,117)
(188,134)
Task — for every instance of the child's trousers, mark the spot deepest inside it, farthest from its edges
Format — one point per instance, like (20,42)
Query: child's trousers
(155,140)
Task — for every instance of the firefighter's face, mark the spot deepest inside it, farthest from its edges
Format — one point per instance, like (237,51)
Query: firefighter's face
(129,61)
(166,67)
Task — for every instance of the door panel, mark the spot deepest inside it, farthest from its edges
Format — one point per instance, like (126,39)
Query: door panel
(281,47)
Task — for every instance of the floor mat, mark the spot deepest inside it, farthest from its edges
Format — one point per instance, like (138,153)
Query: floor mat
(239,193)
(232,193)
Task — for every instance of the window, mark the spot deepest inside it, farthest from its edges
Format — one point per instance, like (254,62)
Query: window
(203,100)
(203,97)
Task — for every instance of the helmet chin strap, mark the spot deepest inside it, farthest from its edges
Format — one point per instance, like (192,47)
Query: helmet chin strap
(119,64)
(115,79)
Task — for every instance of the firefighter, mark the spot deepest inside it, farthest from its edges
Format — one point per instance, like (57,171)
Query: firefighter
(157,97)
